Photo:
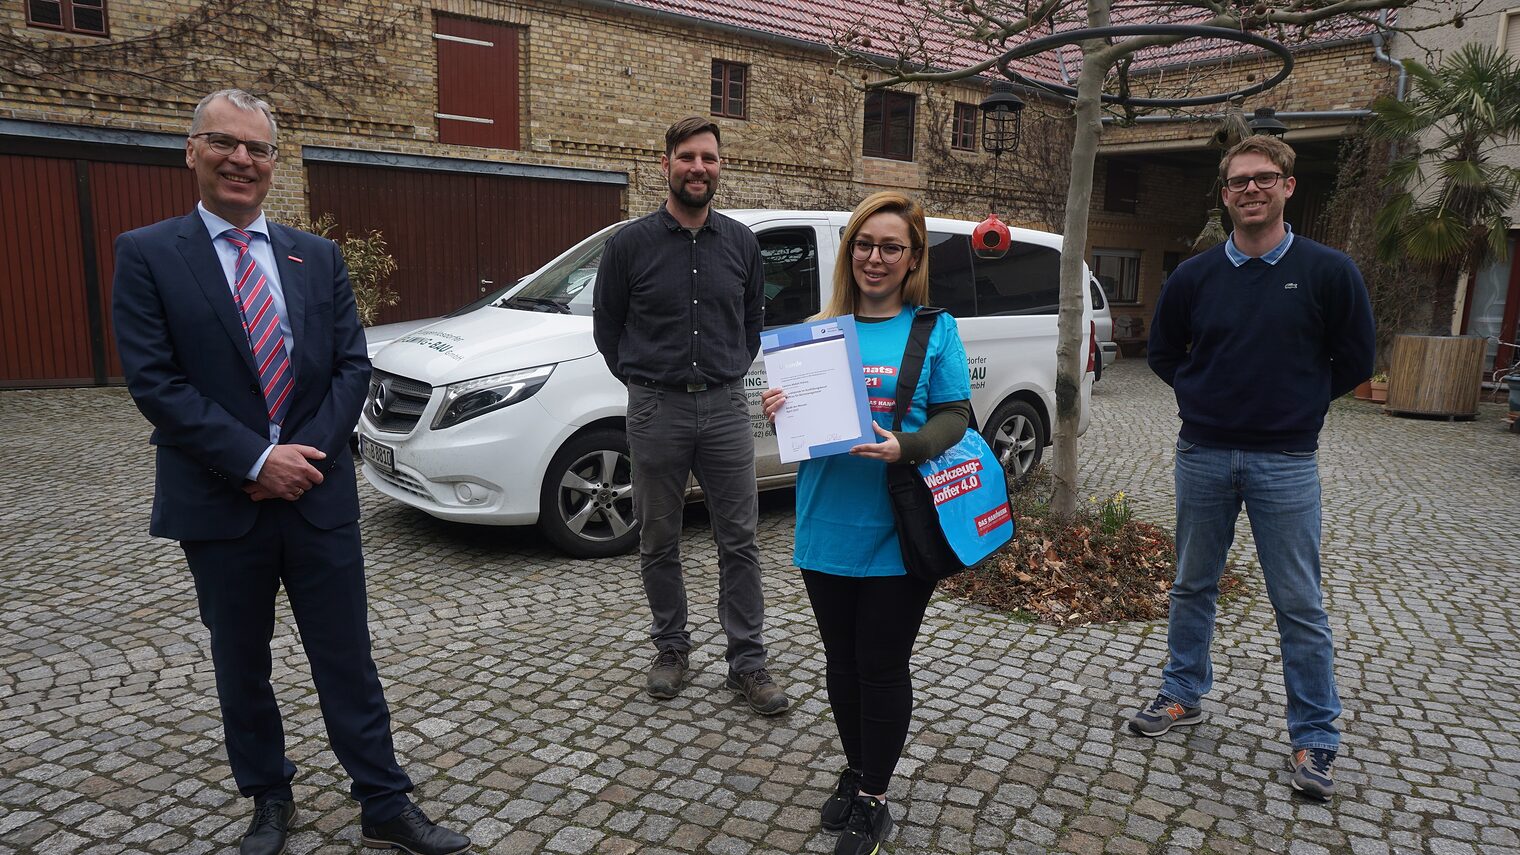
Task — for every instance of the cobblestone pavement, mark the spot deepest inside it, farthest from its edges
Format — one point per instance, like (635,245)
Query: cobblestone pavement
(515,676)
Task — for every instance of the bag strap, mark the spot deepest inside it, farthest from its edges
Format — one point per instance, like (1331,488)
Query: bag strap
(913,361)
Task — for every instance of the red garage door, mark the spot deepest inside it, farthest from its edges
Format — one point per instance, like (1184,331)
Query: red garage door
(457,235)
(44,309)
(58,219)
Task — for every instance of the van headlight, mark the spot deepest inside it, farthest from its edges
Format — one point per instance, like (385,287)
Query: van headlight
(471,398)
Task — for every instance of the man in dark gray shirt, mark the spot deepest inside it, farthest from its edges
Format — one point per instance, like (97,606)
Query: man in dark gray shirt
(679,304)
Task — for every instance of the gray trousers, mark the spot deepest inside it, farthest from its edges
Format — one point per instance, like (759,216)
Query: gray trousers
(672,435)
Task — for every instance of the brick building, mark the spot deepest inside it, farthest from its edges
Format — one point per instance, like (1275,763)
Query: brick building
(482,138)
(1155,180)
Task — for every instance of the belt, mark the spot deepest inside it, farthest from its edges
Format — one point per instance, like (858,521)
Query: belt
(674,387)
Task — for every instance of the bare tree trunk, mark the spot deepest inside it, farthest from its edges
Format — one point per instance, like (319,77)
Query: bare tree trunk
(1459,300)
(1070,361)
(1468,268)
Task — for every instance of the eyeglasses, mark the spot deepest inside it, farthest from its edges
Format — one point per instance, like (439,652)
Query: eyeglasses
(225,145)
(1264,181)
(860,250)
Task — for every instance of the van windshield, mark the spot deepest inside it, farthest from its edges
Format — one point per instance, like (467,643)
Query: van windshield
(565,285)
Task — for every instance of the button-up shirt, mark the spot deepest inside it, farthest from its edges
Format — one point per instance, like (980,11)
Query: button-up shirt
(677,306)
(263,255)
(1273,256)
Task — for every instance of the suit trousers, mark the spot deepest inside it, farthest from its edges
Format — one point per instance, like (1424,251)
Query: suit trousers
(236,582)
(671,436)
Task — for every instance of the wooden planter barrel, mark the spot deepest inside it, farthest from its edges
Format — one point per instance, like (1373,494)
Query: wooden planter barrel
(1435,375)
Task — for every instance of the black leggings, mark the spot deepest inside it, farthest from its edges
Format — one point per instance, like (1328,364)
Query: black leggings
(868,628)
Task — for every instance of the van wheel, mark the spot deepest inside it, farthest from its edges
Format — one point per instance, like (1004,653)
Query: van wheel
(586,504)
(1017,437)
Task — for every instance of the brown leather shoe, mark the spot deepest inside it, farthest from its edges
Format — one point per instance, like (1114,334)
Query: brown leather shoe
(760,691)
(666,674)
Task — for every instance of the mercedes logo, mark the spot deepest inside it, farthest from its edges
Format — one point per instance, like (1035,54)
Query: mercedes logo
(380,398)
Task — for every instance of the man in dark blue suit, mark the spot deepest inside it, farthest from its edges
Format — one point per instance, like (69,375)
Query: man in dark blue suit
(241,344)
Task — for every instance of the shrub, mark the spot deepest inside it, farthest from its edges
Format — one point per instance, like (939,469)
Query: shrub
(369,264)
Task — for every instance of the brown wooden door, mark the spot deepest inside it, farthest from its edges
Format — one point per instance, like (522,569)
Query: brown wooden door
(526,222)
(457,235)
(59,218)
(44,312)
(125,196)
(427,220)
(477,83)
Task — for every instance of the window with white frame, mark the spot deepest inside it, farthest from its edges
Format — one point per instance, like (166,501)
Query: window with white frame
(1509,33)
(1118,271)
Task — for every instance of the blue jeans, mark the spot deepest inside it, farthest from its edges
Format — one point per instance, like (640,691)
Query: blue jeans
(1281,493)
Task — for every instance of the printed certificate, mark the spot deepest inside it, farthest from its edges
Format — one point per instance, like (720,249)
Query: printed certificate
(818,365)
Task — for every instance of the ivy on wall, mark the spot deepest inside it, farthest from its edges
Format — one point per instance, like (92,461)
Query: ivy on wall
(312,53)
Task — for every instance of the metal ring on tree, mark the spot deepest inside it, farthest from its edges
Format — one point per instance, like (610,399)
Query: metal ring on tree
(1068,37)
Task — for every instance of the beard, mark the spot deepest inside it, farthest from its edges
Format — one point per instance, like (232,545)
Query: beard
(688,200)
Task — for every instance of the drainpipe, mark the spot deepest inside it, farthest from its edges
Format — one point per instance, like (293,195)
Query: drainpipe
(1379,43)
(1210,117)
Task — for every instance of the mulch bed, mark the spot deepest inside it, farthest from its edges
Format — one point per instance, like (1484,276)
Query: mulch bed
(1076,571)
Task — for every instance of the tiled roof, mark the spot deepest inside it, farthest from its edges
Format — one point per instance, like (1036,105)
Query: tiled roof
(824,21)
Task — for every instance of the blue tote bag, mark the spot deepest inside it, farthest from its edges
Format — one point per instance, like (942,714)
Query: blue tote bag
(952,511)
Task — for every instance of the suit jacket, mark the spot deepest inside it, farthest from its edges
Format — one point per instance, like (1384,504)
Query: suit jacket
(190,370)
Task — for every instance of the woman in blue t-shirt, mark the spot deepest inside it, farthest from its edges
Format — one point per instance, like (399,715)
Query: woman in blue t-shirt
(867,607)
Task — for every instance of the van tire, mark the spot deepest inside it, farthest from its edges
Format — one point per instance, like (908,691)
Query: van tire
(585,505)
(1017,436)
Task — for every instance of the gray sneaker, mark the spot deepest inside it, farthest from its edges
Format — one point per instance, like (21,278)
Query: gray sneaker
(1162,715)
(666,674)
(760,691)
(1311,768)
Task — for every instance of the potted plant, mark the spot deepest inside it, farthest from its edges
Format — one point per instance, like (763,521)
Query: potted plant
(1377,388)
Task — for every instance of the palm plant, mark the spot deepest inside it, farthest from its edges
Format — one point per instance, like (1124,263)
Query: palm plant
(1449,207)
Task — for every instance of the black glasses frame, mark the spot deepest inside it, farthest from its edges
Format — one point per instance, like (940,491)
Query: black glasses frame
(1263,180)
(891,253)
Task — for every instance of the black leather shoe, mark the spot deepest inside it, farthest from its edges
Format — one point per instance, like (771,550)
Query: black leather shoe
(271,825)
(415,833)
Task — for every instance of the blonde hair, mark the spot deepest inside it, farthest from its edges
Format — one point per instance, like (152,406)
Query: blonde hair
(915,287)
(1280,153)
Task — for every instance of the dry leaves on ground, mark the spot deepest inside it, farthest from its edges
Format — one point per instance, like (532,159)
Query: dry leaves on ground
(1080,570)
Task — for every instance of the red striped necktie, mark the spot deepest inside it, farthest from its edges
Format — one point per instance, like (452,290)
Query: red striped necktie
(261,321)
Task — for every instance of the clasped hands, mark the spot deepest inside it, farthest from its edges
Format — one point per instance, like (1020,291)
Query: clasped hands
(286,474)
(887,451)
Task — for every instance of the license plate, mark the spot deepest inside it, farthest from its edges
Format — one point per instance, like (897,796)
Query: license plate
(382,457)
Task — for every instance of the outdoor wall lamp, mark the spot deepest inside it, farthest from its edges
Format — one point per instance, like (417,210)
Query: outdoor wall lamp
(1265,122)
(1002,117)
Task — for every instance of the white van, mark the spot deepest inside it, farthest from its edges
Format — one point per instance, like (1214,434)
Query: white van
(507,415)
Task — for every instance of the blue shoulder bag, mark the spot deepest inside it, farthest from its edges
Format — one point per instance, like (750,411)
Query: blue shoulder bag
(951,512)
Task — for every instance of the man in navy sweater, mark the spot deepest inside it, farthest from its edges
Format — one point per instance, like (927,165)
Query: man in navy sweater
(1256,337)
